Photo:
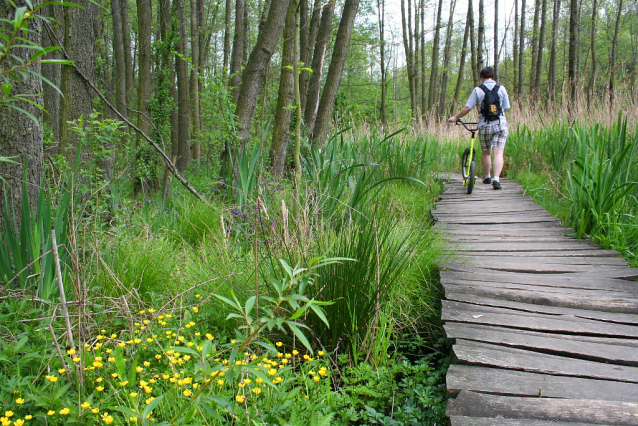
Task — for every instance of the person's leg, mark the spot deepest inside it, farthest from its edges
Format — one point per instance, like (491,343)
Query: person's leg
(498,161)
(486,161)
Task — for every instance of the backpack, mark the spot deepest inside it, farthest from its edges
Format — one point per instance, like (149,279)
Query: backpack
(491,105)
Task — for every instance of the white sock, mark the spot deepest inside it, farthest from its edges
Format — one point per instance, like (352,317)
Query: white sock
(495,178)
(487,176)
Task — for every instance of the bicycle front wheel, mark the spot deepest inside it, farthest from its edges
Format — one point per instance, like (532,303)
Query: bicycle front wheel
(472,178)
(465,165)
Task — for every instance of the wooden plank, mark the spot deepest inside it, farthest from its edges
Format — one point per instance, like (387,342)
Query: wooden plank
(484,421)
(528,307)
(515,264)
(484,220)
(521,383)
(473,404)
(606,304)
(538,322)
(507,246)
(488,355)
(602,257)
(545,342)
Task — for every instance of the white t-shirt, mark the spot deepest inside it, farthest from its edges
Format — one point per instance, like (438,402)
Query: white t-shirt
(478,95)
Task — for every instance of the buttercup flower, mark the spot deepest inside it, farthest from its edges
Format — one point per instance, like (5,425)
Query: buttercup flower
(65,411)
(52,379)
(50,413)
(20,401)
(240,399)
(8,413)
(28,417)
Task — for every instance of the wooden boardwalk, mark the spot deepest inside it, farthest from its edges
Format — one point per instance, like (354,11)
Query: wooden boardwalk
(544,327)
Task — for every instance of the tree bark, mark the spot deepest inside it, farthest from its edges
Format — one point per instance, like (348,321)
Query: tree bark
(194,83)
(592,46)
(118,53)
(281,131)
(541,45)
(409,61)
(614,50)
(434,73)
(474,60)
(573,51)
(314,84)
(335,71)
(481,38)
(384,89)
(521,51)
(183,95)
(20,137)
(51,72)
(128,54)
(238,49)
(496,40)
(552,55)
(144,82)
(227,17)
(446,58)
(515,48)
(256,67)
(459,78)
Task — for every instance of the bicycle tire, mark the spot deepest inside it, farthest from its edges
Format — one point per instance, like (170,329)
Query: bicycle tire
(472,178)
(465,164)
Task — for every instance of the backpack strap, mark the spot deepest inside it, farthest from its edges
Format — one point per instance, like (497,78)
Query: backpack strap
(484,88)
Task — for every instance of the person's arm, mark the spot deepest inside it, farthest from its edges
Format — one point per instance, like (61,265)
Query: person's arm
(461,114)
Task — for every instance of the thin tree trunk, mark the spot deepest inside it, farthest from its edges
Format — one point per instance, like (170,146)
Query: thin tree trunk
(128,54)
(481,38)
(573,51)
(534,49)
(407,45)
(281,131)
(422,80)
(434,74)
(592,46)
(515,47)
(256,67)
(227,30)
(314,85)
(335,71)
(144,82)
(474,60)
(552,53)
(521,51)
(459,78)
(541,45)
(118,53)
(183,95)
(496,40)
(446,58)
(51,72)
(238,49)
(614,50)
(384,89)
(194,83)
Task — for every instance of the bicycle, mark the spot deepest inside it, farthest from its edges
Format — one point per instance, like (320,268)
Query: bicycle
(468,162)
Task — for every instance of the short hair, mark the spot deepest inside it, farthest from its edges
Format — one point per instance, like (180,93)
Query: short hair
(487,72)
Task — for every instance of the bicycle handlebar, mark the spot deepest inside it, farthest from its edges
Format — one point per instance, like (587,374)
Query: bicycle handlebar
(466,124)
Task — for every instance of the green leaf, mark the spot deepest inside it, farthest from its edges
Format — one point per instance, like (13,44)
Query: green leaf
(228,301)
(302,338)
(6,89)
(250,303)
(185,350)
(127,411)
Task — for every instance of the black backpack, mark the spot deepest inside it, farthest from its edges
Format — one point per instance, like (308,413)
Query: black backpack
(491,105)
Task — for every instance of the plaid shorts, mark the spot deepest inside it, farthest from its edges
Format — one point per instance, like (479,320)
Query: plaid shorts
(493,134)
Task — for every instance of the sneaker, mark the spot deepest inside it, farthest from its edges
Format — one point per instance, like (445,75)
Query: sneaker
(487,180)
(496,184)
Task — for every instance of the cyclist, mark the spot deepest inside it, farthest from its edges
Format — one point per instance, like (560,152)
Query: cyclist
(492,124)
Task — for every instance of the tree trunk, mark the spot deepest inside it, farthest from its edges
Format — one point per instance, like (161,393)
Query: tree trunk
(144,82)
(227,17)
(614,50)
(238,49)
(541,45)
(384,91)
(481,38)
(474,61)
(79,37)
(573,51)
(434,73)
(459,78)
(592,46)
(314,85)
(183,95)
(281,131)
(552,54)
(335,71)
(19,135)
(534,49)
(496,39)
(409,62)
(194,83)
(256,67)
(446,58)
(128,55)
(515,48)
(421,37)
(521,51)
(118,52)
(51,72)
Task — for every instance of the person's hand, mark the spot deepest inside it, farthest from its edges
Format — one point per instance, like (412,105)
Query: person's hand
(452,119)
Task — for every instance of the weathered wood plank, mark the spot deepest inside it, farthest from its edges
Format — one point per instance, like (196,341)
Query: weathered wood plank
(527,307)
(598,257)
(520,383)
(473,404)
(532,246)
(545,342)
(484,421)
(489,355)
(538,322)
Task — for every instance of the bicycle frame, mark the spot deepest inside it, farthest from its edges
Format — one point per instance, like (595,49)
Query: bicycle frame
(468,162)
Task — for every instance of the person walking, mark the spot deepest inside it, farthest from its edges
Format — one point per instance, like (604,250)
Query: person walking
(492,100)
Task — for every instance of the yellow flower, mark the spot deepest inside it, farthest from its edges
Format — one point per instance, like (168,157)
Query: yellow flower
(20,401)
(320,353)
(190,344)
(61,371)
(148,389)
(50,413)
(279,344)
(114,375)
(259,380)
(198,296)
(295,352)
(240,399)
(95,410)
(132,394)
(97,364)
(8,413)
(107,419)
(28,417)
(121,345)
(149,400)
(158,356)
(272,372)
(149,340)
(165,376)
(111,359)
(187,358)
(257,391)
(137,341)
(195,309)
(187,393)
(180,338)
(147,364)
(316,378)
(99,379)
(132,419)
(232,342)
(99,388)
(278,380)
(85,405)
(52,379)
(220,382)
(71,351)
(18,422)
(209,336)
(65,411)
(108,351)
(124,383)
(139,369)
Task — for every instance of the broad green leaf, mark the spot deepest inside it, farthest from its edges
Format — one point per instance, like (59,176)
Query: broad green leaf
(302,338)
(154,403)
